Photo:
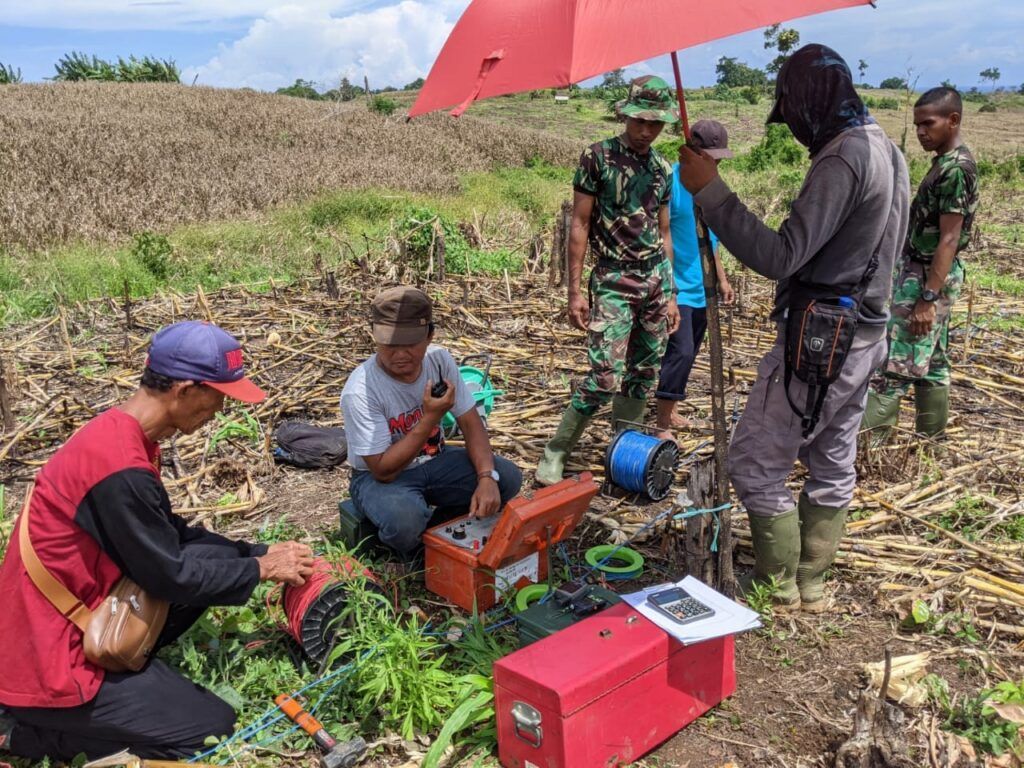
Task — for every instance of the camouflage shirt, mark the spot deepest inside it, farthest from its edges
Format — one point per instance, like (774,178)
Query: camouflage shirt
(629,190)
(951,186)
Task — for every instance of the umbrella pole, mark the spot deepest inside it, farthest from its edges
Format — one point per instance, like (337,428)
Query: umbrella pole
(710,273)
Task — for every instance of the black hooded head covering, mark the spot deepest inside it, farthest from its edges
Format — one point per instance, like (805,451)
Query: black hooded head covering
(814,96)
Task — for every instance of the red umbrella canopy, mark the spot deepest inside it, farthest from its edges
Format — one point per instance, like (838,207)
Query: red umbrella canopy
(509,46)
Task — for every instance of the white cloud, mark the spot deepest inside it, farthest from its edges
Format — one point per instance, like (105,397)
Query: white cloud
(391,45)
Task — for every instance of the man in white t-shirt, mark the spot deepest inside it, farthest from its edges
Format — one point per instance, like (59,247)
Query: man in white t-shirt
(401,468)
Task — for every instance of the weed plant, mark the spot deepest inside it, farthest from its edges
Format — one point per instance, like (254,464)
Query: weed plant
(976,719)
(404,677)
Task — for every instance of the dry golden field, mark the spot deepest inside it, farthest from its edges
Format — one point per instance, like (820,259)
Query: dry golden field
(85,161)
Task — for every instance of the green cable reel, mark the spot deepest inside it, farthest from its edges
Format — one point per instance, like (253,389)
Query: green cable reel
(478,381)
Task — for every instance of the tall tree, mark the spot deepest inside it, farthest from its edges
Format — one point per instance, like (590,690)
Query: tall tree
(862,68)
(614,79)
(784,41)
(991,74)
(736,74)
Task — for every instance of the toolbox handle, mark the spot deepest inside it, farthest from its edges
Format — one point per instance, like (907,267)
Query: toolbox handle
(527,721)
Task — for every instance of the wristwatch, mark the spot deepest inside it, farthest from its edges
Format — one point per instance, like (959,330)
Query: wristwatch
(493,474)
(929,295)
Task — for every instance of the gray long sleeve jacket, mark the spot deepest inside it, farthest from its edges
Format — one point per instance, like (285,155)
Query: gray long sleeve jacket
(856,197)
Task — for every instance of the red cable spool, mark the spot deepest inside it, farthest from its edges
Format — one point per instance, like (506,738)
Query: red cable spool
(311,611)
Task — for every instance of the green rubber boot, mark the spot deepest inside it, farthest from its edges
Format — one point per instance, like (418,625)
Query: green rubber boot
(932,405)
(821,528)
(777,553)
(557,451)
(880,416)
(627,409)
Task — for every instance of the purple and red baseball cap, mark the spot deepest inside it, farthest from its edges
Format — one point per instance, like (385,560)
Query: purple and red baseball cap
(195,351)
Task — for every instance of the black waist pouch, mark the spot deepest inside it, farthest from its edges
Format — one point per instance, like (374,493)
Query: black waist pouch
(819,335)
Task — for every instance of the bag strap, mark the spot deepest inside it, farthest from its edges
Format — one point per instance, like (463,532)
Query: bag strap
(70,607)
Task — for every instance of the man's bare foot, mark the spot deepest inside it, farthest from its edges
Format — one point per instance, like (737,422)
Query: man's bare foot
(681,422)
(665,434)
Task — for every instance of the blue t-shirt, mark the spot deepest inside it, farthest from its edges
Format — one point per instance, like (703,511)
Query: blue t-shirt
(685,254)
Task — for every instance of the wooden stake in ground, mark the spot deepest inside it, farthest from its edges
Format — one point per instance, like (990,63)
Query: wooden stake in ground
(724,581)
(6,411)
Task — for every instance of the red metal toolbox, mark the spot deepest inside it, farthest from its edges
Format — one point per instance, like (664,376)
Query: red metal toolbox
(469,561)
(604,692)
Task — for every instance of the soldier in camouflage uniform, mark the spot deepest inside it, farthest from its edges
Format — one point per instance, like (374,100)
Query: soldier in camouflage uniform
(620,207)
(929,277)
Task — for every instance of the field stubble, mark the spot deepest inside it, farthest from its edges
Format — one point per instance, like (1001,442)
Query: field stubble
(87,161)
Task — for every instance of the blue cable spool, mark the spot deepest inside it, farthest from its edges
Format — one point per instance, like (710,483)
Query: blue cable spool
(641,463)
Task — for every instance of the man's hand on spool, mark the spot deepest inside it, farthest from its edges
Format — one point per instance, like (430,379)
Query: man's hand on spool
(287,562)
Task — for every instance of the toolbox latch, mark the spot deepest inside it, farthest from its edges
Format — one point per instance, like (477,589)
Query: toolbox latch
(527,723)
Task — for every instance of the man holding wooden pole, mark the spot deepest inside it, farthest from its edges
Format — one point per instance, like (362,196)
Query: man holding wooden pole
(833,259)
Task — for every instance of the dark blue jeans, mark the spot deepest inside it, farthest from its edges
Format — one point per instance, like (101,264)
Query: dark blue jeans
(683,346)
(402,508)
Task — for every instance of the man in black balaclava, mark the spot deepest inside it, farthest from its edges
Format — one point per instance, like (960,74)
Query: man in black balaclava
(837,246)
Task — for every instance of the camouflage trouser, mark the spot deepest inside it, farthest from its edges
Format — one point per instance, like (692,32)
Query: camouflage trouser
(918,359)
(627,334)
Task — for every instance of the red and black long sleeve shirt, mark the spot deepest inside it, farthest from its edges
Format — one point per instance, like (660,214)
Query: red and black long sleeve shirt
(99,511)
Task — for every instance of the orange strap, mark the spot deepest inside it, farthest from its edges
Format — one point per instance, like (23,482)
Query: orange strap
(69,606)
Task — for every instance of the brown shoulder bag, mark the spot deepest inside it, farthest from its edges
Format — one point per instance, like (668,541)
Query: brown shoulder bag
(120,634)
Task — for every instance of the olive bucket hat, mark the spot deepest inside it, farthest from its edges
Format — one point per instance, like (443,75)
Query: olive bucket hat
(650,98)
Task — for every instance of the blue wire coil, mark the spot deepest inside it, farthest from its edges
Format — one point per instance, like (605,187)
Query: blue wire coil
(641,463)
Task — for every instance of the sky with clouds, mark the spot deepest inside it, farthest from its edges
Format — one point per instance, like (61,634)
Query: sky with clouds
(266,44)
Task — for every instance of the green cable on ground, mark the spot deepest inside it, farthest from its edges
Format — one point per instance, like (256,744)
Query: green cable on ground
(632,561)
(528,595)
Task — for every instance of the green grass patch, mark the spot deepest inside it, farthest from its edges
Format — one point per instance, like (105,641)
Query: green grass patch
(986,277)
(971,517)
(283,244)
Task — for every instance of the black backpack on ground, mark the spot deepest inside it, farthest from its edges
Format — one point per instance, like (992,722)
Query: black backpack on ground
(308,446)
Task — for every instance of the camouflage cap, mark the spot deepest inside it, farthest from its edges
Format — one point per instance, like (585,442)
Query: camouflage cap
(650,98)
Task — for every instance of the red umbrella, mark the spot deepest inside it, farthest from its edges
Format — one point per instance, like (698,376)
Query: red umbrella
(510,46)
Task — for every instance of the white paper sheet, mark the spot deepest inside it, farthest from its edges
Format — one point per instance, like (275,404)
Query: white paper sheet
(730,617)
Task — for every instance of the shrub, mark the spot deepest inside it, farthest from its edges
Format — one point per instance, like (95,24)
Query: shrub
(76,66)
(382,105)
(154,253)
(894,83)
(751,94)
(302,89)
(9,75)
(418,229)
(882,102)
(778,147)
(988,106)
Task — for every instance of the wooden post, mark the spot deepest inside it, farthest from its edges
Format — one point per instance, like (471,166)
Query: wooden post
(724,582)
(559,236)
(6,411)
(439,251)
(566,237)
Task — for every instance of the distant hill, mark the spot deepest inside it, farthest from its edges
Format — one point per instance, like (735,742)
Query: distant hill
(105,160)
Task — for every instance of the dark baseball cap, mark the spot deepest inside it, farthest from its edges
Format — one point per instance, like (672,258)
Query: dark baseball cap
(401,315)
(195,351)
(712,137)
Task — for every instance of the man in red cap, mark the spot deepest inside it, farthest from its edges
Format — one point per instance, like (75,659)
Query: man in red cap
(99,512)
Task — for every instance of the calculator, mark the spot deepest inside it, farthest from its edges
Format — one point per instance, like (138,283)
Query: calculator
(679,605)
